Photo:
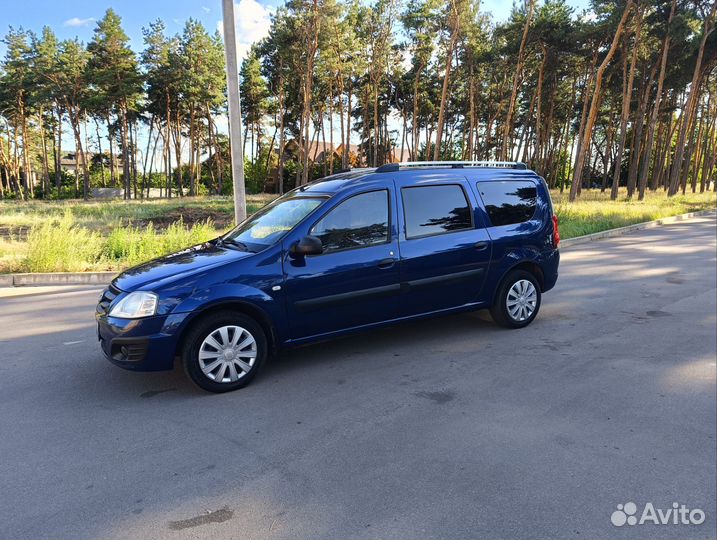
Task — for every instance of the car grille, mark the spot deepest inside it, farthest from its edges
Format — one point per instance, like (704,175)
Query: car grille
(103,307)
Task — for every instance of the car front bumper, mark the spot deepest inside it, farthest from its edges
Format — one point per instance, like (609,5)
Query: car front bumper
(137,344)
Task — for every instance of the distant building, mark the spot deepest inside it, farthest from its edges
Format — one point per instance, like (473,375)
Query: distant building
(69,162)
(318,154)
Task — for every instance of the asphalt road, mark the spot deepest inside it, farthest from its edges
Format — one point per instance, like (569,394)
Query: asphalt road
(446,428)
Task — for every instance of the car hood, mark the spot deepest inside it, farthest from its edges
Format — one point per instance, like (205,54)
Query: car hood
(180,265)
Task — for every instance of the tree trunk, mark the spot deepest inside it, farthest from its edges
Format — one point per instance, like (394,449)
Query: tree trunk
(177,137)
(146,157)
(642,177)
(508,126)
(348,125)
(626,100)
(592,115)
(708,151)
(331,129)
(133,158)
(709,155)
(323,139)
(26,181)
(639,125)
(124,140)
(539,104)
(313,41)
(99,149)
(151,161)
(58,163)
(469,151)
(280,169)
(444,92)
(80,157)
(691,100)
(167,144)
(589,76)
(698,139)
(113,176)
(416,131)
(192,143)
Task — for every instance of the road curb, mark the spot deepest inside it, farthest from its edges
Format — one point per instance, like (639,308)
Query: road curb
(611,233)
(56,278)
(102,278)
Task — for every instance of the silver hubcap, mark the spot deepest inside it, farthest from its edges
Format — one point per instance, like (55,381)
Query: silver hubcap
(227,354)
(521,301)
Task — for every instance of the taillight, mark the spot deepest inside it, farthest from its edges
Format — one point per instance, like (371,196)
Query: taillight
(556,231)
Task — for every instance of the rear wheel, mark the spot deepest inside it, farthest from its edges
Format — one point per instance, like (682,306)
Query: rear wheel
(224,351)
(517,301)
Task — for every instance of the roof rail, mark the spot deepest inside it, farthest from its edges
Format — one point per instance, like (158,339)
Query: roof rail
(393,167)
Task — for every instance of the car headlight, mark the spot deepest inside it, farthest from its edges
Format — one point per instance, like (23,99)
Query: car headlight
(135,305)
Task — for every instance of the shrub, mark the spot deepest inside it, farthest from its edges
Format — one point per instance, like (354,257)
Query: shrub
(129,245)
(59,245)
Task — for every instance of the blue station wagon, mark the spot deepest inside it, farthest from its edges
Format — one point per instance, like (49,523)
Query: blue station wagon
(353,251)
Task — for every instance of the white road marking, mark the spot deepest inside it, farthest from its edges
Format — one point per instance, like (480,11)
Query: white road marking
(74,342)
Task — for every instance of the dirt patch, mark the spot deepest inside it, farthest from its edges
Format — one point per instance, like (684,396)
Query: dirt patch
(190,216)
(18,234)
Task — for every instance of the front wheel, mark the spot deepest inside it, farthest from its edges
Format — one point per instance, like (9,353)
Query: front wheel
(224,351)
(517,301)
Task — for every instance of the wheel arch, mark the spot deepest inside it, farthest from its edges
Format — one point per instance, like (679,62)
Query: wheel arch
(240,306)
(529,266)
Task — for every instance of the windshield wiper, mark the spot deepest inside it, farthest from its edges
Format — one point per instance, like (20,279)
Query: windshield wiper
(241,245)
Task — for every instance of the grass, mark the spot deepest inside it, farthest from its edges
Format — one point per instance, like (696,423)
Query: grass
(106,215)
(595,212)
(70,236)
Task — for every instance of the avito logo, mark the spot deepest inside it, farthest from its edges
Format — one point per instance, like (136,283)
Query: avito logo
(679,514)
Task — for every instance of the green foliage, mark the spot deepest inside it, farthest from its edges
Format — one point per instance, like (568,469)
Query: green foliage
(254,95)
(71,236)
(254,175)
(131,245)
(59,245)
(113,69)
(595,212)
(374,73)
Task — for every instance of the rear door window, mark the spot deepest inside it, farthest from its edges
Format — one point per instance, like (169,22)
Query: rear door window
(509,202)
(430,210)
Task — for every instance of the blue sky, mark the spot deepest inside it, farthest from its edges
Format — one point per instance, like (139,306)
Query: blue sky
(70,18)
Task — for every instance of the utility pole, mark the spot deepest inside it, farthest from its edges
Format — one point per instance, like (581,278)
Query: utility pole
(237,156)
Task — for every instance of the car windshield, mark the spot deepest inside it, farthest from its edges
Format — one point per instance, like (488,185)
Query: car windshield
(268,225)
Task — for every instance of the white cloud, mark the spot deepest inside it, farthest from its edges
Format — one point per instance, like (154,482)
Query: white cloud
(76,22)
(205,9)
(407,60)
(253,21)
(589,16)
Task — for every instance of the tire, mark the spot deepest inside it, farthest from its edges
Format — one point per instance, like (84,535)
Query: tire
(236,364)
(515,311)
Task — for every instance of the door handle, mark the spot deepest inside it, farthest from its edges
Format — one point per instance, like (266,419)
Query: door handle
(480,246)
(387,263)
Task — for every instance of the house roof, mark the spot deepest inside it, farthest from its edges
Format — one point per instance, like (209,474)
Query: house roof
(316,148)
(68,159)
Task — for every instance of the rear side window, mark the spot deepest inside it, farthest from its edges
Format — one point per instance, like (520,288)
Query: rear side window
(432,210)
(359,221)
(509,202)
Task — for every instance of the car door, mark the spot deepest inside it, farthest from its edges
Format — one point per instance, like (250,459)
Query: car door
(355,281)
(444,248)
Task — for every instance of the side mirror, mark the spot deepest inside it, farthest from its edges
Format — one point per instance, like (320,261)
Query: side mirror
(308,245)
